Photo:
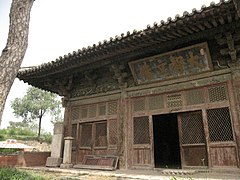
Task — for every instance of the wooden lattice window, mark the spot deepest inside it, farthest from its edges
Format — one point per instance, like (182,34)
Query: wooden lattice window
(84,112)
(174,100)
(101,134)
(156,102)
(92,111)
(112,108)
(217,93)
(141,130)
(139,104)
(192,128)
(112,131)
(219,125)
(86,135)
(74,134)
(75,113)
(102,109)
(195,96)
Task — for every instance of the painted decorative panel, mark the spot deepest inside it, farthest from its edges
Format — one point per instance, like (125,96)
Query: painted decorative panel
(182,62)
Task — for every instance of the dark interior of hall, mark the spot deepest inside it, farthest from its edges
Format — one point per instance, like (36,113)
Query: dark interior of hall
(166,141)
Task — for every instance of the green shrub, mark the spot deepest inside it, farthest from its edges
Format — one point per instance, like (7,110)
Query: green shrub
(3,133)
(47,137)
(15,174)
(8,150)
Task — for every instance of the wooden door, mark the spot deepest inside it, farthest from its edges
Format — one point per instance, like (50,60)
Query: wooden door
(222,145)
(92,139)
(192,139)
(100,138)
(85,141)
(142,143)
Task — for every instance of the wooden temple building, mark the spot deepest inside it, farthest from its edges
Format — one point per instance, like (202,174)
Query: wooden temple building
(167,96)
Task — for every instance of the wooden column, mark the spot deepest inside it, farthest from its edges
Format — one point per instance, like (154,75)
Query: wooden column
(67,119)
(122,129)
(236,104)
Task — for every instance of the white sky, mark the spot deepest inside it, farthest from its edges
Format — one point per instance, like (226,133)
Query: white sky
(58,27)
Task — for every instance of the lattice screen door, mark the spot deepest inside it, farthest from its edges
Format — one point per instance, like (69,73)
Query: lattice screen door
(192,139)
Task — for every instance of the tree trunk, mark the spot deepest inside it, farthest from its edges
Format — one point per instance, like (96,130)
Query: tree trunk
(13,54)
(39,128)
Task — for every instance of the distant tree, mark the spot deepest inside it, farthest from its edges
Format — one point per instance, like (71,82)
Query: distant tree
(23,126)
(35,104)
(17,42)
(20,129)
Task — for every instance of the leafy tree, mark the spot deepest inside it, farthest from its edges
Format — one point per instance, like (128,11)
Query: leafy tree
(35,104)
(17,42)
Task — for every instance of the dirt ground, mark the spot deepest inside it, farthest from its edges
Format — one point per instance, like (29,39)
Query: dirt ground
(69,176)
(85,174)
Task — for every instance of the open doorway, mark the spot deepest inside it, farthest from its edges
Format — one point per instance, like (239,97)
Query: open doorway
(166,141)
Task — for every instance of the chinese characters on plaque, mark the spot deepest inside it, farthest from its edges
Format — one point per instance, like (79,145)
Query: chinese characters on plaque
(182,62)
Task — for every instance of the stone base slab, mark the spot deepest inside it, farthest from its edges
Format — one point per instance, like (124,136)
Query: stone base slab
(53,162)
(66,166)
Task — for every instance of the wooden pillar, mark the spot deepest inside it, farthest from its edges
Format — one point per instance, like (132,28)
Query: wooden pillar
(236,104)
(67,119)
(122,129)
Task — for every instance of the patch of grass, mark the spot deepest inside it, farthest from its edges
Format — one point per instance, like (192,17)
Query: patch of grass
(15,174)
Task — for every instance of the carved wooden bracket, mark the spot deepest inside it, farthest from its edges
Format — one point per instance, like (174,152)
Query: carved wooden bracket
(91,78)
(62,86)
(229,39)
(119,74)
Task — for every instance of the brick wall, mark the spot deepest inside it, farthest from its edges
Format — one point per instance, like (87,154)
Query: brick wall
(24,159)
(8,160)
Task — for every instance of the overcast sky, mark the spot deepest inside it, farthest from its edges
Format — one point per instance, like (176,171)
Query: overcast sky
(58,27)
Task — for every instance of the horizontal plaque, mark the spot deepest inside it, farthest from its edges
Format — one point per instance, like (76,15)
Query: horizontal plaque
(182,62)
